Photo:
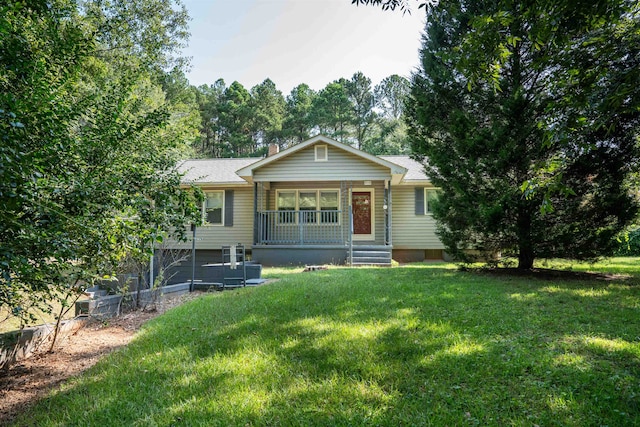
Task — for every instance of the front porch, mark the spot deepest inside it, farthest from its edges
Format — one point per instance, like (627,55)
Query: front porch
(302,227)
(322,223)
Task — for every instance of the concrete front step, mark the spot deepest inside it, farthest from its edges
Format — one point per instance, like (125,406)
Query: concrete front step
(371,264)
(371,260)
(374,254)
(371,257)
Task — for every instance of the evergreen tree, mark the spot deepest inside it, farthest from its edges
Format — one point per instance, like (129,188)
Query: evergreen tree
(298,124)
(236,121)
(333,111)
(268,105)
(361,97)
(210,100)
(507,114)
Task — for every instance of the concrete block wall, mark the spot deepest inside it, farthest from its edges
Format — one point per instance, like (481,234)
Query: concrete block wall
(21,344)
(110,305)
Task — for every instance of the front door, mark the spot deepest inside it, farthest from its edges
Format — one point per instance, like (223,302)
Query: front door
(362,205)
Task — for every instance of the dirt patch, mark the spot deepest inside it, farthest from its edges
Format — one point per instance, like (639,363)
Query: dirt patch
(551,274)
(32,379)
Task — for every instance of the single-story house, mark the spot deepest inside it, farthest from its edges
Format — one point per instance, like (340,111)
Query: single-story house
(318,202)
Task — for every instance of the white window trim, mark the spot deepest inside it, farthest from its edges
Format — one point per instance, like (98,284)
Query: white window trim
(370,190)
(204,209)
(336,190)
(310,190)
(426,200)
(324,158)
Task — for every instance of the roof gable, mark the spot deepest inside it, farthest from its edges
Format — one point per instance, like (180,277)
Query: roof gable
(228,171)
(395,170)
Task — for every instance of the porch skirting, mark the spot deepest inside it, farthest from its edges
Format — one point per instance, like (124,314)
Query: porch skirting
(283,255)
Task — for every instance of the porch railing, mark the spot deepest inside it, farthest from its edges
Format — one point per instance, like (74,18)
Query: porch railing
(301,227)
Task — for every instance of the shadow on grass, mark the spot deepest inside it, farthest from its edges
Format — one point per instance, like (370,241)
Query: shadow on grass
(405,346)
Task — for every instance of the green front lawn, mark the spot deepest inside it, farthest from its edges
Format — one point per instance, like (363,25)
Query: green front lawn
(415,345)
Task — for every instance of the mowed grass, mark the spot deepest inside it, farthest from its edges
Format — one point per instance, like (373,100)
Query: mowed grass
(415,345)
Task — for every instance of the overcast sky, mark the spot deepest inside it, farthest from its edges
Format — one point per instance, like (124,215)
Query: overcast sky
(298,41)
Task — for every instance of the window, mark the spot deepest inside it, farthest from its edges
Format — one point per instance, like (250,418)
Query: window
(322,155)
(306,204)
(214,207)
(307,201)
(329,202)
(287,202)
(430,195)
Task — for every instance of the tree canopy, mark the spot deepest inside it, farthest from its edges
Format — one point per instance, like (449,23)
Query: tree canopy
(526,117)
(93,117)
(238,122)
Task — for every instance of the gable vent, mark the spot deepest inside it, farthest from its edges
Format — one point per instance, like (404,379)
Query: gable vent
(321,153)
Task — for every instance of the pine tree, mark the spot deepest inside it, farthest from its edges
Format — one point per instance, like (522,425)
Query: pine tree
(499,115)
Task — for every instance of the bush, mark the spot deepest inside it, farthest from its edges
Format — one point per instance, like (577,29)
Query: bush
(630,243)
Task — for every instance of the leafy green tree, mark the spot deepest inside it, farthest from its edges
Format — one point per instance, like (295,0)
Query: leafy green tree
(518,114)
(297,125)
(89,143)
(185,122)
(390,95)
(139,33)
(390,135)
(42,50)
(403,5)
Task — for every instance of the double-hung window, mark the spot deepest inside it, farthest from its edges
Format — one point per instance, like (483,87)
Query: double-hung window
(329,206)
(308,206)
(430,195)
(286,201)
(214,207)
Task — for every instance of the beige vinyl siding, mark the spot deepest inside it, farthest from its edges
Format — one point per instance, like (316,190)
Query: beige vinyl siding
(377,186)
(341,165)
(411,231)
(214,236)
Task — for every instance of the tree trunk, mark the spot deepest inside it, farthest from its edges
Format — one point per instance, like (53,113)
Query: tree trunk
(526,253)
(525,257)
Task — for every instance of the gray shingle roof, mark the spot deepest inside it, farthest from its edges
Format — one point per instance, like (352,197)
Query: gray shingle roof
(223,171)
(415,171)
(214,171)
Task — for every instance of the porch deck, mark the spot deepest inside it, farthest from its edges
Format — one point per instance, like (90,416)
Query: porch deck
(301,227)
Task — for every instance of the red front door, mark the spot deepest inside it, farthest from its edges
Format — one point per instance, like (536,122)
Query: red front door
(361,205)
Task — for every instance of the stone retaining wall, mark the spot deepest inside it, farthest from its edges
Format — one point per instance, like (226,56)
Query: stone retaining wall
(111,305)
(19,345)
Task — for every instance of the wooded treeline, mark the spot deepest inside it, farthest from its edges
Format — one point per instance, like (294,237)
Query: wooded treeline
(241,122)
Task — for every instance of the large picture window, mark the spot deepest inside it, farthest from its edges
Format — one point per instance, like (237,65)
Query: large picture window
(306,204)
(214,208)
